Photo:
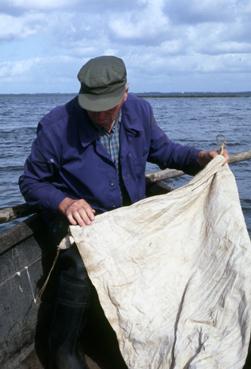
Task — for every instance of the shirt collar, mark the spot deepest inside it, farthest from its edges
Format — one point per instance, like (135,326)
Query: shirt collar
(102,131)
(89,132)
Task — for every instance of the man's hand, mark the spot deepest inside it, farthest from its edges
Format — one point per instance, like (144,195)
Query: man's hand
(78,212)
(205,157)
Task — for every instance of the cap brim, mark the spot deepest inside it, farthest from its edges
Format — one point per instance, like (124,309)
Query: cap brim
(100,102)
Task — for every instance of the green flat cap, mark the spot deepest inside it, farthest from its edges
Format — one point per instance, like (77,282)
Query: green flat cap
(103,83)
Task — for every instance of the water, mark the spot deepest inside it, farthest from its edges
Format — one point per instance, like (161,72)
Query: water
(192,121)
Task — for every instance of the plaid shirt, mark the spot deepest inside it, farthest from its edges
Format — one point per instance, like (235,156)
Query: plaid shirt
(111,141)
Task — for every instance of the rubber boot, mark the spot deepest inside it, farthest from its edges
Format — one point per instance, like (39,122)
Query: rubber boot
(69,315)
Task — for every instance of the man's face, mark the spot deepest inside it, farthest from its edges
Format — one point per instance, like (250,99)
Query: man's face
(106,118)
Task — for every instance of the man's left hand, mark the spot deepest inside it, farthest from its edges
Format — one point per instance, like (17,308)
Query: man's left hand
(205,157)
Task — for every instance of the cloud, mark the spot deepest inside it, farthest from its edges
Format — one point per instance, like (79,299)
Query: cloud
(33,75)
(240,30)
(11,70)
(146,68)
(20,27)
(15,7)
(20,6)
(197,11)
(158,39)
(109,6)
(227,47)
(220,39)
(149,25)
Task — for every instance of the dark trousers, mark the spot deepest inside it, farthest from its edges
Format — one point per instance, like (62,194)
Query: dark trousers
(75,314)
(71,302)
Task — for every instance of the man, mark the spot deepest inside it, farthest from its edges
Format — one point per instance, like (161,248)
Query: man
(89,156)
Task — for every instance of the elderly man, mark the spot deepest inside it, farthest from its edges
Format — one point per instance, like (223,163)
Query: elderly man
(89,157)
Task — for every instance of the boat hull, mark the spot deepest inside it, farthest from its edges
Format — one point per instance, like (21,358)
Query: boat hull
(21,271)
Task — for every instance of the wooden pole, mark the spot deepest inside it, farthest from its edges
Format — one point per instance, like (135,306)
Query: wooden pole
(172,173)
(241,156)
(7,214)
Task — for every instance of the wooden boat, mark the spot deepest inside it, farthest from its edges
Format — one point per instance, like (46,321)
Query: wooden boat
(25,260)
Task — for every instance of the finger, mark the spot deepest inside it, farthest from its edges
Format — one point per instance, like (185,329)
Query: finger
(73,216)
(81,218)
(71,219)
(85,205)
(88,209)
(84,215)
(90,213)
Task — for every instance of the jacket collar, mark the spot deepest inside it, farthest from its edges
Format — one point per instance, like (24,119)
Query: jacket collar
(130,122)
(89,133)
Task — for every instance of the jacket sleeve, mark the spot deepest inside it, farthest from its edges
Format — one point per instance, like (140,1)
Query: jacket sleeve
(168,154)
(40,172)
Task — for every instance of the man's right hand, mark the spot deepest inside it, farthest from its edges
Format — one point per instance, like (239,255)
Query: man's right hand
(78,212)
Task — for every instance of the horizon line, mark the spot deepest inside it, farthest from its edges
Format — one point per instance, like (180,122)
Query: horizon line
(139,93)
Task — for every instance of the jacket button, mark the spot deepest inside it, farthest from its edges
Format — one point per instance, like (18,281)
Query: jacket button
(112,184)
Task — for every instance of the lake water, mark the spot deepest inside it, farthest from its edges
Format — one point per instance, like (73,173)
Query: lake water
(192,121)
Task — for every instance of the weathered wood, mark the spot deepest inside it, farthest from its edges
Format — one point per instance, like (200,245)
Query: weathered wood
(22,267)
(19,233)
(241,156)
(22,210)
(163,175)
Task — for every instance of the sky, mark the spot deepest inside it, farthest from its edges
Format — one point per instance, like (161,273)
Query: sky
(167,45)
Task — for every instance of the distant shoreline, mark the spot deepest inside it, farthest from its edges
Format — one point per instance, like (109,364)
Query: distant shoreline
(149,94)
(194,94)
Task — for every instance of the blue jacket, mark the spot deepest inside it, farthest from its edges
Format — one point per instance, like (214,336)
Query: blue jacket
(67,158)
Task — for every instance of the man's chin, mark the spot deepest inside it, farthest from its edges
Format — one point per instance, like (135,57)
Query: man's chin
(105,125)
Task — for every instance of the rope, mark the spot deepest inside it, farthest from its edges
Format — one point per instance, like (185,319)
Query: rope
(42,289)
(18,274)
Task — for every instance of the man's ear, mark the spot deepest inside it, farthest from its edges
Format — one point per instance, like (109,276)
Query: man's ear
(125,95)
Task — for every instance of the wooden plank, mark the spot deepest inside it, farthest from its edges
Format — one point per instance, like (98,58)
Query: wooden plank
(163,175)
(172,173)
(22,210)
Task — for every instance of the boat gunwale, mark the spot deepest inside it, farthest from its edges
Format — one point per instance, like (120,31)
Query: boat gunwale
(18,233)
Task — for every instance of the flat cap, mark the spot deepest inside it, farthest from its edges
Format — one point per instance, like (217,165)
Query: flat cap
(103,82)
